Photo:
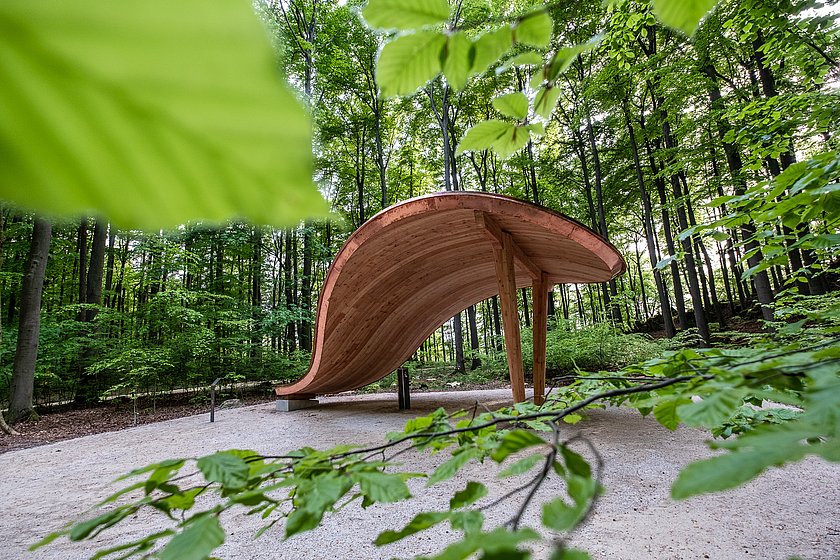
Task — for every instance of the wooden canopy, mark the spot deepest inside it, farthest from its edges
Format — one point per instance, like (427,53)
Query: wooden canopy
(416,264)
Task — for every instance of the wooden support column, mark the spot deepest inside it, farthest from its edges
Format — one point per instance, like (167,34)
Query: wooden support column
(506,277)
(540,324)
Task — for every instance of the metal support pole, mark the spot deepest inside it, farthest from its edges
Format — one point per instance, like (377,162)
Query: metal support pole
(213,399)
(403,392)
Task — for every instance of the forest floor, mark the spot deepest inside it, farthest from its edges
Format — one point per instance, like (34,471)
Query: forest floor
(790,511)
(63,423)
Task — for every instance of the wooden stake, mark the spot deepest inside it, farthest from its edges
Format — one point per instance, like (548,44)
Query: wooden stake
(506,277)
(540,296)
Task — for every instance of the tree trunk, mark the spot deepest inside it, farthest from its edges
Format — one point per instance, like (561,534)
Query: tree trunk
(458,334)
(761,281)
(23,369)
(602,220)
(475,361)
(93,293)
(647,220)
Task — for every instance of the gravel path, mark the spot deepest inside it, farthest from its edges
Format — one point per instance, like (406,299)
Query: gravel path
(787,512)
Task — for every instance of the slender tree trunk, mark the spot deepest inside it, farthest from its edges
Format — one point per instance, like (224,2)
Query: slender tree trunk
(305,332)
(475,361)
(23,369)
(761,281)
(647,221)
(93,292)
(109,272)
(82,251)
(602,220)
(458,333)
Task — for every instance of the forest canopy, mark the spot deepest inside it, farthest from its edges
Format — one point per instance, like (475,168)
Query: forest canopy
(177,178)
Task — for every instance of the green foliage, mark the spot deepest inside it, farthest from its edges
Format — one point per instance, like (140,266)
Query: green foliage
(398,14)
(110,109)
(599,347)
(683,15)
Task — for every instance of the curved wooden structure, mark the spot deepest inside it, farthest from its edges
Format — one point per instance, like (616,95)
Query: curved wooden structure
(416,264)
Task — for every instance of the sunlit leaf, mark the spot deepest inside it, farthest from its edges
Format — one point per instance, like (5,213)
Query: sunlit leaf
(457,63)
(546,100)
(684,15)
(151,113)
(534,29)
(409,61)
(512,105)
(490,47)
(484,135)
(405,14)
(512,141)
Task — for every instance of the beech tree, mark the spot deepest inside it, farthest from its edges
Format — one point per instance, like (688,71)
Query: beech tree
(23,373)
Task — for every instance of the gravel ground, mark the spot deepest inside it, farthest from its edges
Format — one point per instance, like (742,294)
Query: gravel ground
(787,512)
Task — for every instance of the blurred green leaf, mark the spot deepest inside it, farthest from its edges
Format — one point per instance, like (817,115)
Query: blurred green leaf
(513,105)
(684,15)
(151,113)
(409,61)
(456,65)
(405,14)
(201,536)
(534,29)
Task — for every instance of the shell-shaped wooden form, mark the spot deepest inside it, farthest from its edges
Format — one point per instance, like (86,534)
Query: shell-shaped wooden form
(417,263)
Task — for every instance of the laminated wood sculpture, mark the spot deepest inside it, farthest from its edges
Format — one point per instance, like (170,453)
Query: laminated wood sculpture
(416,264)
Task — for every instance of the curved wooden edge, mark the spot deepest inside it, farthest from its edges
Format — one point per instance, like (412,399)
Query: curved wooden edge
(485,203)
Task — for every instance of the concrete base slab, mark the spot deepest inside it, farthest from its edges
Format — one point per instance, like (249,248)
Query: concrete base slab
(288,405)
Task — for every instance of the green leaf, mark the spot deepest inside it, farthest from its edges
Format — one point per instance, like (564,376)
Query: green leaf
(421,522)
(529,58)
(469,521)
(225,468)
(534,29)
(513,441)
(473,491)
(405,14)
(730,470)
(382,487)
(714,409)
(313,498)
(557,515)
(203,534)
(457,63)
(563,58)
(490,47)
(512,141)
(546,100)
(452,466)
(484,135)
(666,412)
(409,61)
(575,463)
(684,15)
(139,112)
(522,465)
(84,529)
(512,105)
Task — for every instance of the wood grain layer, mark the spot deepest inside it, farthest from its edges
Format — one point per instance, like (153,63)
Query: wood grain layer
(414,265)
